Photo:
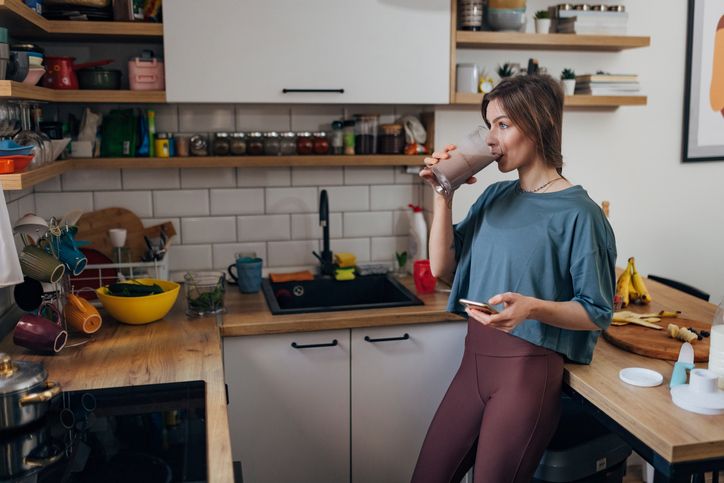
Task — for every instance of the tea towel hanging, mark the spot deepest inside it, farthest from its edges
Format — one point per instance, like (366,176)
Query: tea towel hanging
(10,272)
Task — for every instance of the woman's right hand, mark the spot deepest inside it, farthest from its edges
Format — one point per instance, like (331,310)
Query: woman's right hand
(435,158)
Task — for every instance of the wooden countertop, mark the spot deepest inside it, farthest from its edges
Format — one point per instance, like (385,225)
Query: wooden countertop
(174,349)
(248,314)
(648,413)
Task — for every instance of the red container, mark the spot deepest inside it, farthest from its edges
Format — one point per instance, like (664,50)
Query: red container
(60,72)
(422,274)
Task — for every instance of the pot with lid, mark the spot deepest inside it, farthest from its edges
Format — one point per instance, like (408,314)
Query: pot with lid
(25,392)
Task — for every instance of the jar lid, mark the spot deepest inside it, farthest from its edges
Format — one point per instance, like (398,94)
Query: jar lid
(304,134)
(238,135)
(337,124)
(319,134)
(564,6)
(255,134)
(18,376)
(391,128)
(616,8)
(272,134)
(222,135)
(582,6)
(288,134)
(161,135)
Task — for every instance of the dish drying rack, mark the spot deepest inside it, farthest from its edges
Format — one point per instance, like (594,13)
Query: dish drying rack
(100,274)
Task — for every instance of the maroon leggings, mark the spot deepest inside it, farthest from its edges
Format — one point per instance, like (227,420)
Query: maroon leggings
(500,411)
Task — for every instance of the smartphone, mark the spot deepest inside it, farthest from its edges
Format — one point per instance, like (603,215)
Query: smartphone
(478,306)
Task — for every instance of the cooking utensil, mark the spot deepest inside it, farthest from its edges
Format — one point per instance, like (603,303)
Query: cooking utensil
(686,361)
(99,78)
(25,392)
(640,376)
(61,72)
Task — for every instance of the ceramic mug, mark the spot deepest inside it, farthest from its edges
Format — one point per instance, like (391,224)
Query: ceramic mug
(81,315)
(69,253)
(40,265)
(39,334)
(28,295)
(422,274)
(248,274)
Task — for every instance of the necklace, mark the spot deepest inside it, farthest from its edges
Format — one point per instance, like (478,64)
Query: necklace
(539,187)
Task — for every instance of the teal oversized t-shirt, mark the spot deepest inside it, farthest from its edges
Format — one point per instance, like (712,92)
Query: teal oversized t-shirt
(553,246)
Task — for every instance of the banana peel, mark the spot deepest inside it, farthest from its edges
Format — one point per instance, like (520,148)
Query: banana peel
(625,317)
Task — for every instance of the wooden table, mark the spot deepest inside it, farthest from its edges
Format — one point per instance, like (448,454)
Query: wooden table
(676,442)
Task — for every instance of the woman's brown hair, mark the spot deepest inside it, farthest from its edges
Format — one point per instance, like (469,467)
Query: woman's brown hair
(535,104)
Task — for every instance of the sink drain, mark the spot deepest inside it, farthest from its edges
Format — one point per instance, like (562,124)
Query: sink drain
(298,290)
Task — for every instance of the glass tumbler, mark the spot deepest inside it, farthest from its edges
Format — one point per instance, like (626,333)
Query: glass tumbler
(204,293)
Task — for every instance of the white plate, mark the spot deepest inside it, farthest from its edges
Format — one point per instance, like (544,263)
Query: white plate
(639,376)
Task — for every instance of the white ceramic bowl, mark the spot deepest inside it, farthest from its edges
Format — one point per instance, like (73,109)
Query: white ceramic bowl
(506,19)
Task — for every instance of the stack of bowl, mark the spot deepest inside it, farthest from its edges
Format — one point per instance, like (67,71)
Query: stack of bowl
(26,64)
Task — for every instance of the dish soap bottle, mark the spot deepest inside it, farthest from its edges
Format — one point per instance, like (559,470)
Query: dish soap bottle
(417,241)
(716,347)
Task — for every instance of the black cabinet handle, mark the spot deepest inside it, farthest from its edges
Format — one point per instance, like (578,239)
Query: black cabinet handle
(332,91)
(387,339)
(312,346)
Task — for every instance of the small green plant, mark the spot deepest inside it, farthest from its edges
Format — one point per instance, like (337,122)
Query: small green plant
(542,14)
(505,70)
(401,259)
(568,74)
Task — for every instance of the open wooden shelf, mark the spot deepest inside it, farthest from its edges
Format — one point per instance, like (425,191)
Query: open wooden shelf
(465,99)
(517,40)
(17,90)
(27,179)
(25,23)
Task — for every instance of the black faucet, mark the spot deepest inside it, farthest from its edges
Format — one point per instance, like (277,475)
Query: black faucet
(325,259)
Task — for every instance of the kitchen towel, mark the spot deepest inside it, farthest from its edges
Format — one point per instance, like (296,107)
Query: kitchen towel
(10,273)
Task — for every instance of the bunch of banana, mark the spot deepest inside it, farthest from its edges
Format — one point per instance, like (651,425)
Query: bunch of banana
(630,286)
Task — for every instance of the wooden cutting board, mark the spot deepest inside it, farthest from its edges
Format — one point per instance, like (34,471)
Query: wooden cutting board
(93,227)
(657,343)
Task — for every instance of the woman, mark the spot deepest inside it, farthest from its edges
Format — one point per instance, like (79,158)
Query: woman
(540,249)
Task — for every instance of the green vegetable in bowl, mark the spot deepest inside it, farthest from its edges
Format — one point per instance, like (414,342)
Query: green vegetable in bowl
(133,289)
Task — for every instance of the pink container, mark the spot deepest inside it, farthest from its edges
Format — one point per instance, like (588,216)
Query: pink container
(146,74)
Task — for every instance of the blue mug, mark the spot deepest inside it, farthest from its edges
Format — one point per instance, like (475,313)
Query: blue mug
(248,274)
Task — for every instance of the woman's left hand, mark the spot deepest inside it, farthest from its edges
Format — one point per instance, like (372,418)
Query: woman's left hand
(517,308)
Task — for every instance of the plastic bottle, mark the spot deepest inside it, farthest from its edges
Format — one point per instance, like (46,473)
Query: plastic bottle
(716,347)
(417,241)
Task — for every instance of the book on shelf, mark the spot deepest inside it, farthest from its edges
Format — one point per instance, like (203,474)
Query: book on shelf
(606,91)
(608,78)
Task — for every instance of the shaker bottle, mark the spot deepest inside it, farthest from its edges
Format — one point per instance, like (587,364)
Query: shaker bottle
(470,156)
(716,344)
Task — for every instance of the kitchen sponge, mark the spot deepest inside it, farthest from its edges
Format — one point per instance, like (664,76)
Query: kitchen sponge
(345,260)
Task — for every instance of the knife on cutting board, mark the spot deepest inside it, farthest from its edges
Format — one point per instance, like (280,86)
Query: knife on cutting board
(685,361)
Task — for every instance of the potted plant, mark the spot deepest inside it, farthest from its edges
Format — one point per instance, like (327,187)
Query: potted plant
(542,22)
(505,70)
(568,78)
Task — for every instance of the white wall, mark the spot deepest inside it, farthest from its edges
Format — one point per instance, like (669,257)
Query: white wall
(667,214)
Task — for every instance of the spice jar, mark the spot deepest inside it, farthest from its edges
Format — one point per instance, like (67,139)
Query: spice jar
(161,145)
(365,140)
(288,143)
(220,146)
(182,145)
(348,136)
(304,143)
(337,137)
(272,145)
(255,144)
(198,145)
(392,140)
(237,144)
(321,145)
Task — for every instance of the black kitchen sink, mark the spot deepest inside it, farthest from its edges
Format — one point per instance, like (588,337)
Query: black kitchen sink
(327,295)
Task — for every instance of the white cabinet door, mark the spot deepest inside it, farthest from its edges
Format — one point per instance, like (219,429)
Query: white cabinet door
(289,407)
(376,51)
(396,387)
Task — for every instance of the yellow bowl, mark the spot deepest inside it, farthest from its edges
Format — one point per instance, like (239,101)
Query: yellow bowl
(140,310)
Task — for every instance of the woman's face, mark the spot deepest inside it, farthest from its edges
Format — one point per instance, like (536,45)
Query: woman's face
(508,142)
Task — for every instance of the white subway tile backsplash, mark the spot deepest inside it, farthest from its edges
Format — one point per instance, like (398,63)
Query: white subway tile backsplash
(204,118)
(403,177)
(217,229)
(262,118)
(176,240)
(189,257)
(359,246)
(13,211)
(225,253)
(368,175)
(401,222)
(384,248)
(317,176)
(314,118)
(237,201)
(26,205)
(253,177)
(92,180)
(348,198)
(58,204)
(144,179)
(306,226)
(373,223)
(291,200)
(139,202)
(167,119)
(392,197)
(181,203)
(264,228)
(208,178)
(53,184)
(17,194)
(285,253)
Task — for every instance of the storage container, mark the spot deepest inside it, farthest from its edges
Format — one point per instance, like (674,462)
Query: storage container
(146,74)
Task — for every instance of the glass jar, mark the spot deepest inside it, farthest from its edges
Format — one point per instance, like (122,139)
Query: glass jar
(337,137)
(304,143)
(237,144)
(255,144)
(204,293)
(198,146)
(320,143)
(221,144)
(392,139)
(365,140)
(161,145)
(288,143)
(272,144)
(348,136)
